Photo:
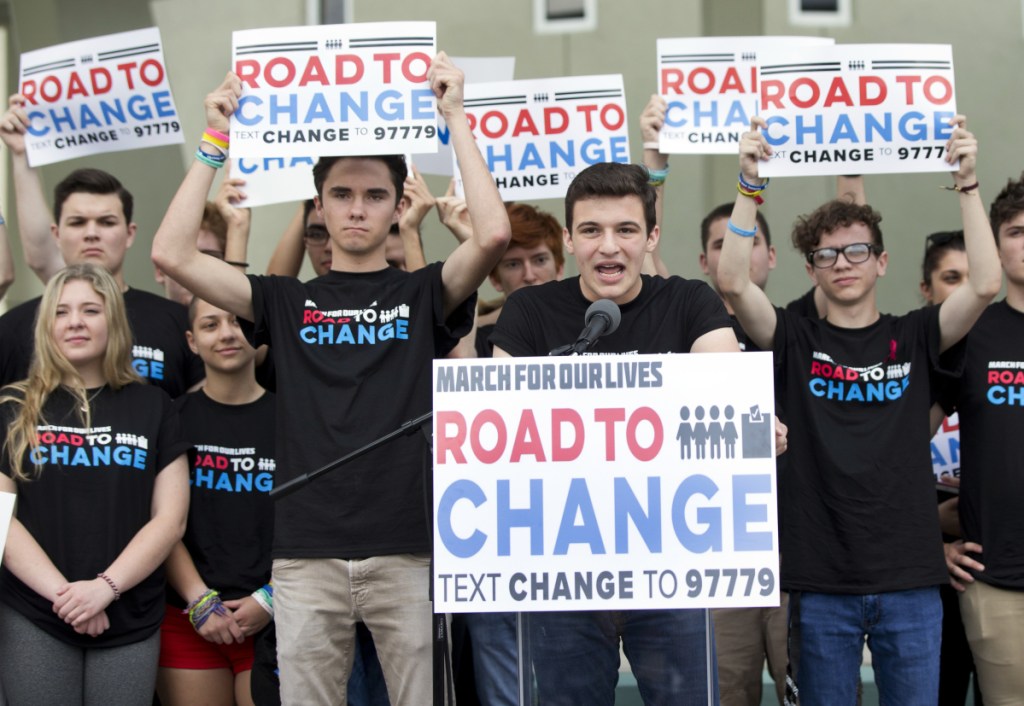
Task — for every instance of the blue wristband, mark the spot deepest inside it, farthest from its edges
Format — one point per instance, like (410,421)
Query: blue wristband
(739,231)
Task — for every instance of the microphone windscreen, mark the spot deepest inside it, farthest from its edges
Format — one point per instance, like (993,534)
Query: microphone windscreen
(604,307)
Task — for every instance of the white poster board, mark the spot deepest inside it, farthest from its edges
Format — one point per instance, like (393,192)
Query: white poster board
(604,482)
(857,109)
(536,135)
(104,94)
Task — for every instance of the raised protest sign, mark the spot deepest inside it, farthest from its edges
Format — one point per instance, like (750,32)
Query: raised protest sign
(604,482)
(710,89)
(537,134)
(477,70)
(334,90)
(270,180)
(946,448)
(857,109)
(104,94)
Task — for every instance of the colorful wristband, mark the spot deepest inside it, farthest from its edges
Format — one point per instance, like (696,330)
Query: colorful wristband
(739,231)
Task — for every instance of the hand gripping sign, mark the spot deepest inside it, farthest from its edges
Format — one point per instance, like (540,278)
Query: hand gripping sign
(857,109)
(334,90)
(105,94)
(710,89)
(536,135)
(604,482)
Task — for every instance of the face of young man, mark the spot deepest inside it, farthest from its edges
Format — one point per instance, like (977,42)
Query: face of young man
(318,243)
(762,258)
(522,267)
(358,205)
(93,228)
(1011,249)
(609,240)
(846,282)
(80,327)
(217,338)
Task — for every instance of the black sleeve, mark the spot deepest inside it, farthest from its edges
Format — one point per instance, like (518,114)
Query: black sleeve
(513,331)
(450,330)
(171,441)
(705,312)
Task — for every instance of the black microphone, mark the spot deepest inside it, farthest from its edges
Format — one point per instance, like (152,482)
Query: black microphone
(602,318)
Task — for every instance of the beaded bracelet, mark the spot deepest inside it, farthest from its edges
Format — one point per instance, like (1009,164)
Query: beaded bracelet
(740,231)
(203,607)
(113,586)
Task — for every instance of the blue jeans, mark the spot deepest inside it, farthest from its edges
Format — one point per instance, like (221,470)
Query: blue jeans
(575,656)
(366,683)
(495,657)
(904,634)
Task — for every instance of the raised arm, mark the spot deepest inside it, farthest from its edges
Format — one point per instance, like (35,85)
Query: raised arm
(748,301)
(174,245)
(34,217)
(420,202)
(287,256)
(230,202)
(962,308)
(468,266)
(453,214)
(651,121)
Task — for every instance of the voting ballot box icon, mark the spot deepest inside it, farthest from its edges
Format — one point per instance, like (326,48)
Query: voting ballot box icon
(756,434)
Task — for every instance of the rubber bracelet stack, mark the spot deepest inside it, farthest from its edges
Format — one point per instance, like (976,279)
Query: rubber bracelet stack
(751,190)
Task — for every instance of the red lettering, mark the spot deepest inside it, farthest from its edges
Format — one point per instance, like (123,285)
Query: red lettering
(560,452)
(866,84)
(550,128)
(587,110)
(276,81)
(837,93)
(527,441)
(608,417)
(993,377)
(248,70)
(407,63)
(908,82)
(772,92)
(76,87)
(644,453)
(50,89)
(524,123)
(126,69)
(932,86)
(314,71)
(671,81)
(619,117)
(487,124)
(948,425)
(815,368)
(341,61)
(707,83)
(28,90)
(99,88)
(446,442)
(385,61)
(732,81)
(802,82)
(151,72)
(485,455)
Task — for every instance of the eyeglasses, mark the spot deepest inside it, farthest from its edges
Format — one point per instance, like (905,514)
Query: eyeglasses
(315,235)
(855,253)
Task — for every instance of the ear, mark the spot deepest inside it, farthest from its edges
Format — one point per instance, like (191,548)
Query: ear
(318,205)
(811,272)
(55,232)
(883,263)
(652,239)
(496,283)
(704,264)
(926,291)
(191,342)
(560,271)
(399,209)
(567,240)
(132,230)
(771,257)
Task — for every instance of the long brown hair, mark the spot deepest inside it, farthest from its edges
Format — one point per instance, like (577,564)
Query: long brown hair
(50,367)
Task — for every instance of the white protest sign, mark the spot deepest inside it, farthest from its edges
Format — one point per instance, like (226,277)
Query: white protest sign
(270,180)
(604,482)
(946,448)
(536,134)
(105,94)
(6,513)
(476,70)
(710,89)
(334,90)
(857,109)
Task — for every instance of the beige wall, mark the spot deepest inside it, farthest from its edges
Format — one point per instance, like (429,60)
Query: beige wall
(986,38)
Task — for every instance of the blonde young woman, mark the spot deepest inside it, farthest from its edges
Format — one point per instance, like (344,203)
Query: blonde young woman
(97,461)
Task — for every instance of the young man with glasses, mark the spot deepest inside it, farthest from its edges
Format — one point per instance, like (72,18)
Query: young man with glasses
(860,545)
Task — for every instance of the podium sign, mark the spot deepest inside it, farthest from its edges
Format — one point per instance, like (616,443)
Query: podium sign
(606,482)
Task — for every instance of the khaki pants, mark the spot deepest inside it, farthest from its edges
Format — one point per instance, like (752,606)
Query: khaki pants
(994,623)
(744,638)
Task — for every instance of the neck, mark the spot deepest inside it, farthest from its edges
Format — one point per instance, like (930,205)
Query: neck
(91,377)
(1015,296)
(352,262)
(853,315)
(239,387)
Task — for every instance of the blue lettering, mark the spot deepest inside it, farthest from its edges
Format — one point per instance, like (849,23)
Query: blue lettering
(744,513)
(844,130)
(767,132)
(459,546)
(647,522)
(711,538)
(88,118)
(264,482)
(163,105)
(240,112)
(531,517)
(284,105)
(203,477)
(112,110)
(138,108)
(37,118)
(389,105)
(360,109)
(421,107)
(578,502)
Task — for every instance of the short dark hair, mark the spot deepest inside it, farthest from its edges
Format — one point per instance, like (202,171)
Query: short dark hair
(1007,204)
(214,222)
(937,245)
(394,162)
(725,211)
(307,207)
(91,181)
(616,180)
(831,216)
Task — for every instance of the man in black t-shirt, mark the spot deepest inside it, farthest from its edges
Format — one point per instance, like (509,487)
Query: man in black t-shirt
(610,228)
(989,397)
(859,533)
(353,352)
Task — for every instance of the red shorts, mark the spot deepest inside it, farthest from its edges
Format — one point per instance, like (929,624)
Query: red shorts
(181,647)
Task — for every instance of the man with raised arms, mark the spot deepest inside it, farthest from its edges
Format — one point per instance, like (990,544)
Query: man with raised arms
(859,533)
(353,352)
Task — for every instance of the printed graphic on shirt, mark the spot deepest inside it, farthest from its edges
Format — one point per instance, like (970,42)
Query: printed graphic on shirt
(713,434)
(946,448)
(357,327)
(882,382)
(232,470)
(148,362)
(1006,383)
(92,447)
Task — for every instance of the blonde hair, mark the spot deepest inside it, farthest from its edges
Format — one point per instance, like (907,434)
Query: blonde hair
(50,367)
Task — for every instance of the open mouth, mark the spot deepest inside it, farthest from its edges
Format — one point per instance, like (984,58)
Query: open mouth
(610,271)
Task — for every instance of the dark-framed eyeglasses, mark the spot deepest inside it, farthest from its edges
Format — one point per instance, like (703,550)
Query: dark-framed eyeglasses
(315,235)
(855,253)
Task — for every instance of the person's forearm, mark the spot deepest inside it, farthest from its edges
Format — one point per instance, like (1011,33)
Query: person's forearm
(174,245)
(491,229)
(183,575)
(287,257)
(34,220)
(146,551)
(411,243)
(982,255)
(24,558)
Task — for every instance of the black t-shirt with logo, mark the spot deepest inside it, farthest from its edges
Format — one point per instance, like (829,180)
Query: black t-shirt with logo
(160,353)
(353,353)
(92,497)
(990,401)
(667,316)
(230,515)
(857,499)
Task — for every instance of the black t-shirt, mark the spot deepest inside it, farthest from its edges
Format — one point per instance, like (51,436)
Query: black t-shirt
(93,495)
(353,356)
(990,402)
(230,515)
(857,499)
(160,353)
(804,305)
(484,348)
(666,317)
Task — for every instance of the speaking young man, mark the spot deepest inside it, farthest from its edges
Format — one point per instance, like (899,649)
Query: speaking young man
(859,531)
(609,228)
(353,352)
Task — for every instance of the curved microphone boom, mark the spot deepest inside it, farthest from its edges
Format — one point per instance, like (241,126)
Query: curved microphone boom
(601,319)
